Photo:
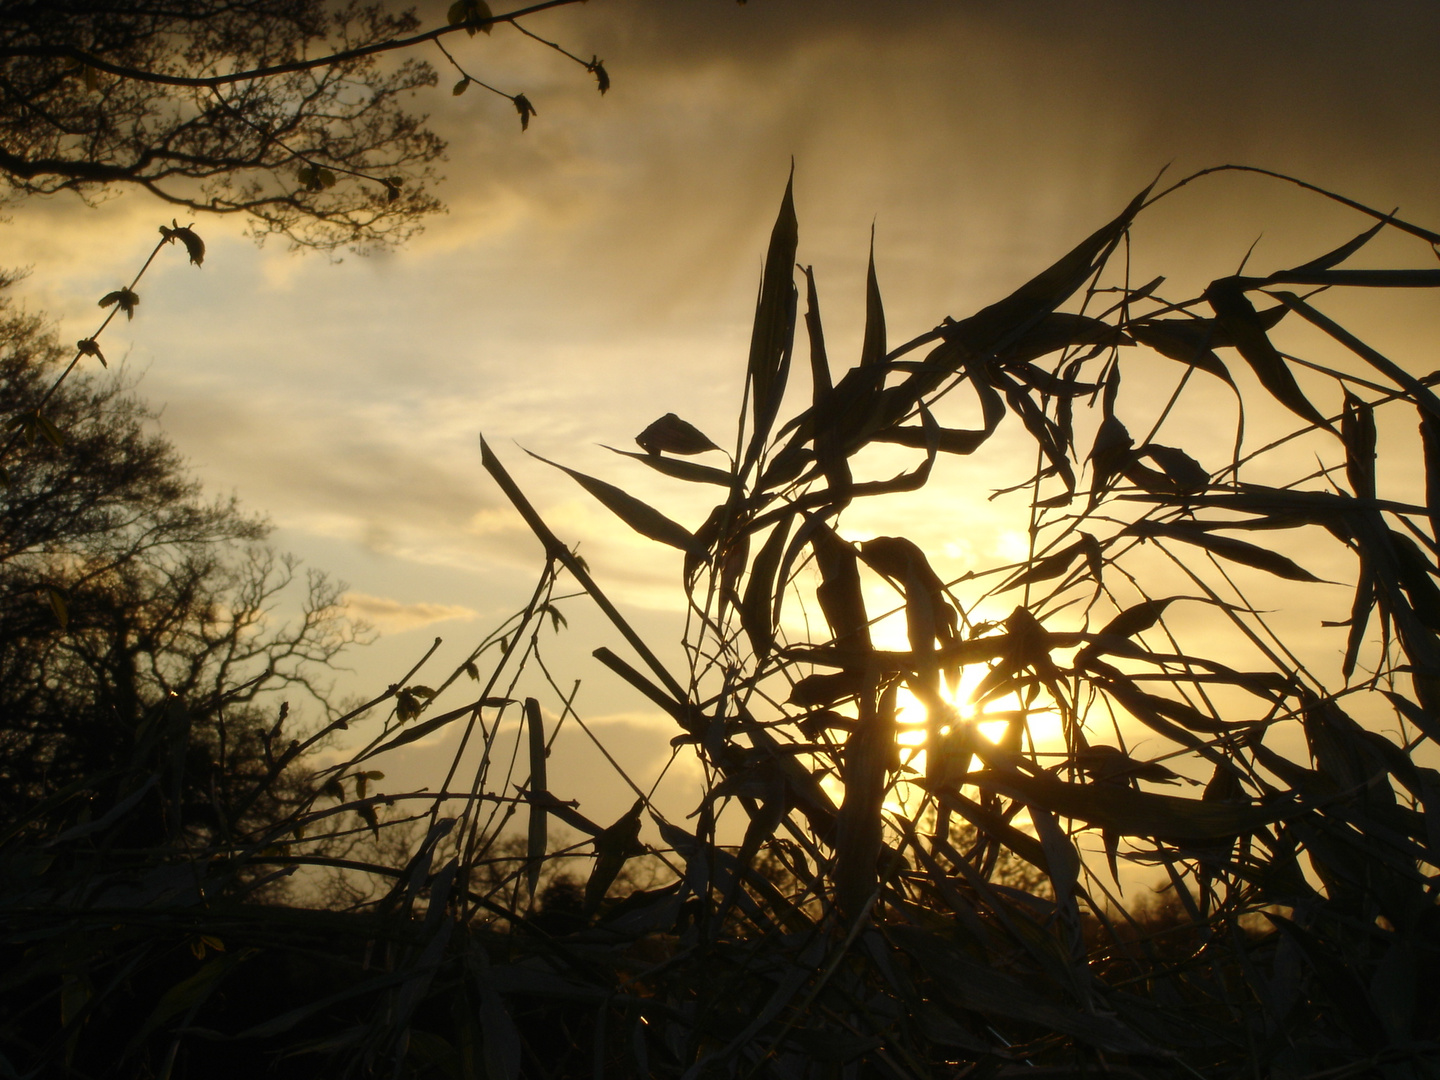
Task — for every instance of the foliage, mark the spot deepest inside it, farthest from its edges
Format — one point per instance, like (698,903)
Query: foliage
(121,587)
(956,913)
(284,111)
(1303,857)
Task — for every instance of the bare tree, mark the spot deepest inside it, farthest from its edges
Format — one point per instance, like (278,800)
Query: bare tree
(122,587)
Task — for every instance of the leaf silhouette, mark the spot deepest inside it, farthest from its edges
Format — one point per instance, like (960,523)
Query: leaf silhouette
(672,435)
(640,516)
(125,298)
(1238,316)
(1227,547)
(773,333)
(194,246)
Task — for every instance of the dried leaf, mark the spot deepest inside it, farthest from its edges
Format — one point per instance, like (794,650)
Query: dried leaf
(91,347)
(672,435)
(126,298)
(613,848)
(194,246)
(525,109)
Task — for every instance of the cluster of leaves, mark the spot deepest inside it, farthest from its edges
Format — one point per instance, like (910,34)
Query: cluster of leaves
(1302,867)
(976,912)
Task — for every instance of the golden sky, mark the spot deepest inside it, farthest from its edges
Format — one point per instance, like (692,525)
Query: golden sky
(599,269)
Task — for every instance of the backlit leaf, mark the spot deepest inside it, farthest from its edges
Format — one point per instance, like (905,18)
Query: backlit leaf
(125,298)
(872,350)
(773,333)
(640,516)
(672,435)
(1226,547)
(1237,315)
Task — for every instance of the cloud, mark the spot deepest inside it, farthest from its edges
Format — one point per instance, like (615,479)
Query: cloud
(393,617)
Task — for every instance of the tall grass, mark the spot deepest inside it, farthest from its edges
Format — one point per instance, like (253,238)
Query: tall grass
(1147,712)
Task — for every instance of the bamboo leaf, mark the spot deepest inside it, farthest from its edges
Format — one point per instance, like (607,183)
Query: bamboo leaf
(1238,316)
(1129,812)
(872,351)
(692,471)
(613,848)
(1007,320)
(640,516)
(538,836)
(774,330)
(1226,547)
(757,613)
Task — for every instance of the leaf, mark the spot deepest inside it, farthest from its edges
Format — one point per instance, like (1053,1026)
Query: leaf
(460,87)
(773,333)
(825,689)
(672,435)
(474,15)
(690,471)
(537,836)
(91,347)
(1127,811)
(367,814)
(1047,567)
(186,994)
(1357,432)
(194,246)
(1226,547)
(613,848)
(335,788)
(126,298)
(1007,320)
(757,612)
(641,517)
(502,1047)
(525,109)
(407,706)
(472,670)
(872,350)
(1190,341)
(58,607)
(49,431)
(602,77)
(1187,473)
(1240,320)
(557,619)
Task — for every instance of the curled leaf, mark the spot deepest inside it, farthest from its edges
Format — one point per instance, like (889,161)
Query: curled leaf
(672,435)
(126,298)
(91,347)
(474,15)
(597,68)
(525,109)
(461,87)
(194,246)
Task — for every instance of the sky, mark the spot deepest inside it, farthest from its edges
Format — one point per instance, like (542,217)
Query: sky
(599,270)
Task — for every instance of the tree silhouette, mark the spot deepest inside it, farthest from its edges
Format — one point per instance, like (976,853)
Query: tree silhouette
(121,587)
(284,111)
